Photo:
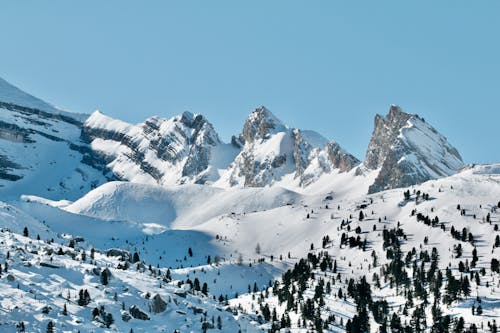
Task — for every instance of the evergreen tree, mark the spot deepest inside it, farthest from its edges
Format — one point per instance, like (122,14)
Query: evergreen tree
(257,248)
(204,289)
(495,265)
(135,258)
(104,277)
(50,327)
(196,285)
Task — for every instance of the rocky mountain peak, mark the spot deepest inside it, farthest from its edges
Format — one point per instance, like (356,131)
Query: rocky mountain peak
(386,130)
(259,124)
(408,151)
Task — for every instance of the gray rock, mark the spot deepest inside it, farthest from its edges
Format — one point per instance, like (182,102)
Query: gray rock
(408,151)
(138,313)
(158,305)
(124,255)
(44,264)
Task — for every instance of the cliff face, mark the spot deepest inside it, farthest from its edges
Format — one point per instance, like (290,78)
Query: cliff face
(408,151)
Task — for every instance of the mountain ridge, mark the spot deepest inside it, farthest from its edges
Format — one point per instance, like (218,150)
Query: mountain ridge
(186,148)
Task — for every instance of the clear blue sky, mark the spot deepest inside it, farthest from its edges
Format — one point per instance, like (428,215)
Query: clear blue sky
(323,65)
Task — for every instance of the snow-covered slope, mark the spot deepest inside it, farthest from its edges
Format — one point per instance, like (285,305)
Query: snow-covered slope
(204,219)
(178,206)
(41,151)
(408,151)
(10,94)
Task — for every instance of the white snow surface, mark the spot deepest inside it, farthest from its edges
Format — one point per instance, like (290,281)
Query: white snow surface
(14,95)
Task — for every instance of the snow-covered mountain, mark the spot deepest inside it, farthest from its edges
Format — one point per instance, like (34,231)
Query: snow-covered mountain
(273,232)
(271,150)
(404,150)
(408,151)
(183,149)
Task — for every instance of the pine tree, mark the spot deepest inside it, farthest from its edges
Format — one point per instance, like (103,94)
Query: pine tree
(104,277)
(495,265)
(196,284)
(257,248)
(459,326)
(25,232)
(50,327)
(219,322)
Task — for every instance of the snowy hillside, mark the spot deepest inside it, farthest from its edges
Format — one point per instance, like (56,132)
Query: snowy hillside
(218,247)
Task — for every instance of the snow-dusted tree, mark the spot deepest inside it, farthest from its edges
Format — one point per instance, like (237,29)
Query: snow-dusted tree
(257,248)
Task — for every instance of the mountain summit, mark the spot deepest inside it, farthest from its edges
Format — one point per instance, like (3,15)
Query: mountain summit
(272,152)
(408,151)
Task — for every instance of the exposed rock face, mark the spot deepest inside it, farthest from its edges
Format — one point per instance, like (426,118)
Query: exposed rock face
(339,158)
(162,151)
(270,151)
(138,313)
(408,151)
(158,304)
(259,125)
